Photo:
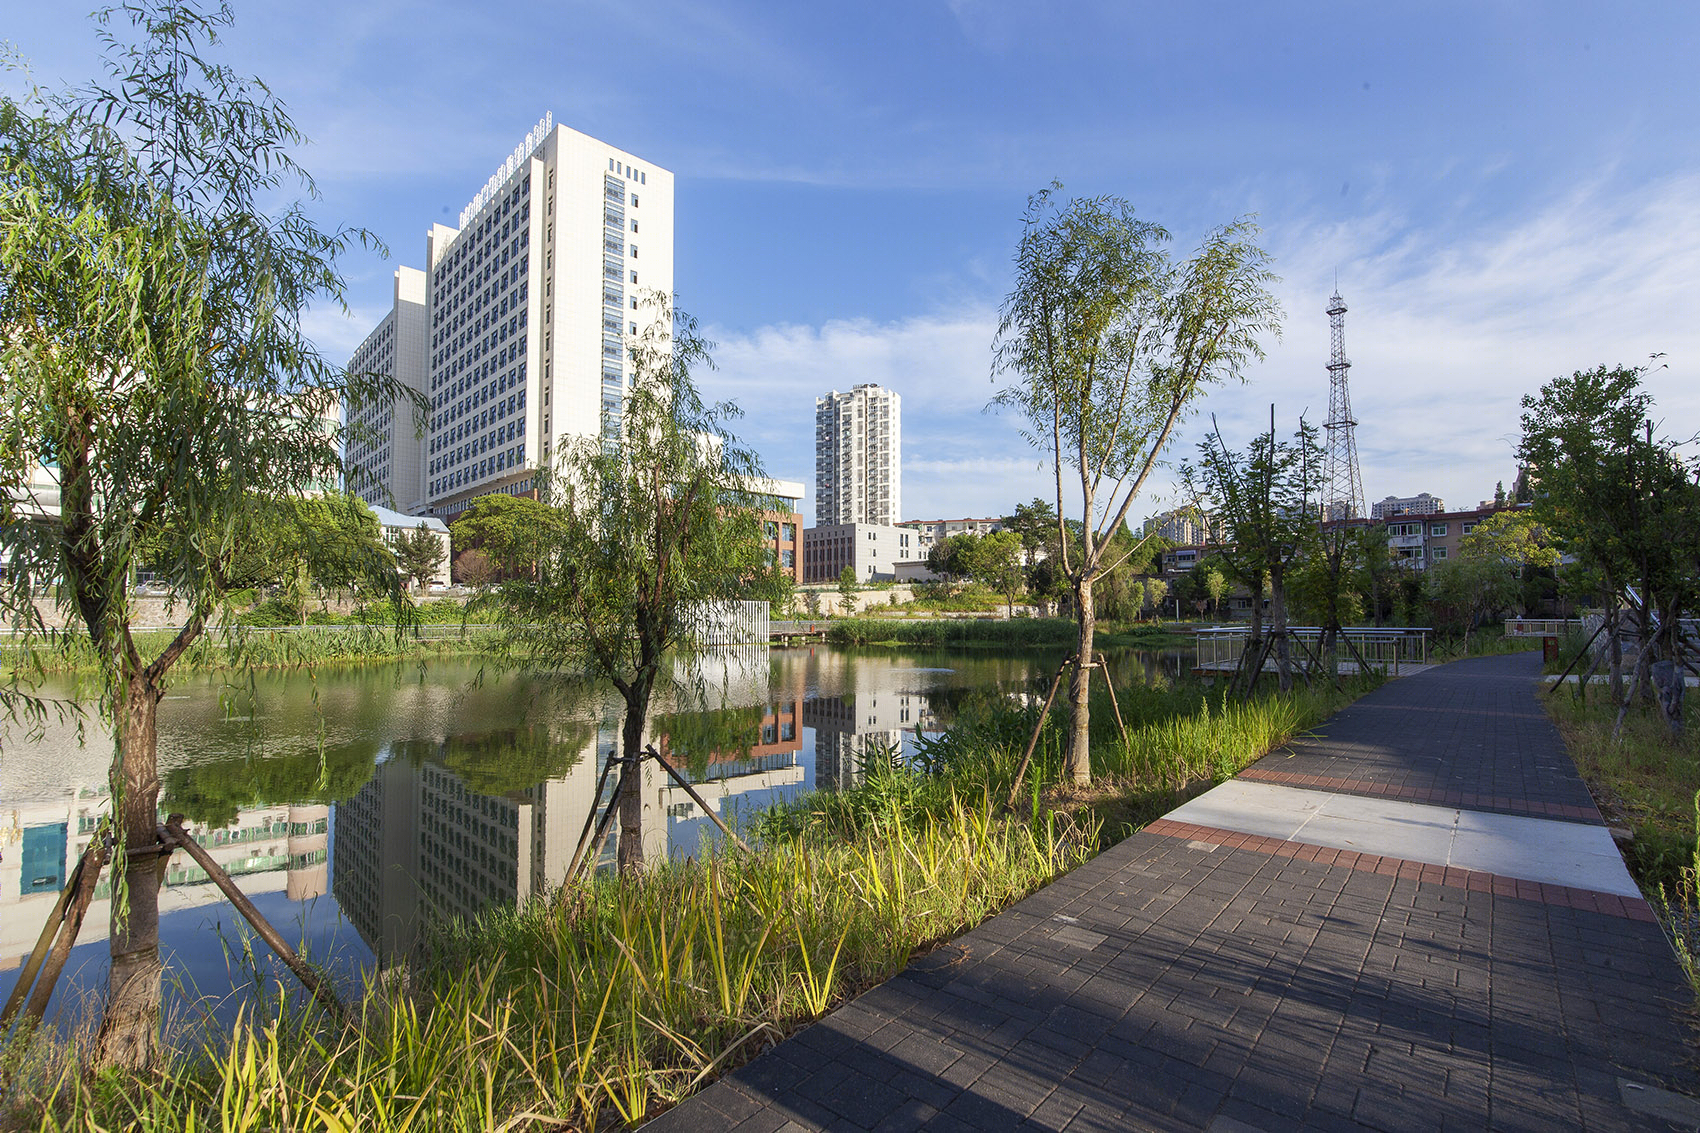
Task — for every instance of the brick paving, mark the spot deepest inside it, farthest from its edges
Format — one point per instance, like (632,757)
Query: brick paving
(1371,788)
(1470,729)
(1196,978)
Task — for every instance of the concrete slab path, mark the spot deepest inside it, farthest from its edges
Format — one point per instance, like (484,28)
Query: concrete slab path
(1406,921)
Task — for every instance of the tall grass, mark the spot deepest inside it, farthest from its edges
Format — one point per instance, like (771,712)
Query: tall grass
(1489,641)
(262,648)
(598,1008)
(1646,781)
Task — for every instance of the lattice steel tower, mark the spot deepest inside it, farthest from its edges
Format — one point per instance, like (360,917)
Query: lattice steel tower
(1343,488)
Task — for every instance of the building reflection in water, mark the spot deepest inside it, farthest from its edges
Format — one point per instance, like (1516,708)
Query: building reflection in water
(866,725)
(281,848)
(446,796)
(445,830)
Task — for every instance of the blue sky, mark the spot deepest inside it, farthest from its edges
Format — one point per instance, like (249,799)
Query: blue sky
(1505,191)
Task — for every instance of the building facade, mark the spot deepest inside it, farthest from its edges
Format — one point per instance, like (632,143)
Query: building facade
(1185,526)
(782,525)
(858,457)
(393,526)
(934,531)
(526,313)
(1422,541)
(872,550)
(384,459)
(1420,504)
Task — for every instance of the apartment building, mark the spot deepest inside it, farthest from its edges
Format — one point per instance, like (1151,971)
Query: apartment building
(1420,504)
(858,449)
(934,531)
(529,306)
(1185,526)
(532,304)
(1422,541)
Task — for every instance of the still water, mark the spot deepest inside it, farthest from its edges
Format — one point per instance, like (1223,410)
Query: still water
(354,806)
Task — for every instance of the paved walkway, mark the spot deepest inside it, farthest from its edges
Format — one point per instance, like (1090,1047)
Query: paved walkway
(1413,920)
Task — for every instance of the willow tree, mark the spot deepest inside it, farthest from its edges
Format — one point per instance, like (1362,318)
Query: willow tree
(654,532)
(157,381)
(1109,343)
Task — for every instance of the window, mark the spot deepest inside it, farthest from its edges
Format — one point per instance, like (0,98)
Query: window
(634,277)
(1437,529)
(1467,528)
(1440,552)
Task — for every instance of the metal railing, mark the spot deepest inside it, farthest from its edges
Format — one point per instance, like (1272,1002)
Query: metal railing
(1540,627)
(1388,648)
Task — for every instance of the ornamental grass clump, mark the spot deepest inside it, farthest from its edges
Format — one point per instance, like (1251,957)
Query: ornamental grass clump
(598,1007)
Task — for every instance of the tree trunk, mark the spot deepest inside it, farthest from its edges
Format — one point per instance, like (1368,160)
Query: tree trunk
(631,857)
(1615,615)
(1637,684)
(1669,686)
(129,1031)
(1077,763)
(1252,660)
(1278,620)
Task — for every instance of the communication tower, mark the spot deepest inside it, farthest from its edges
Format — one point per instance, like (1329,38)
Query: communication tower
(1343,488)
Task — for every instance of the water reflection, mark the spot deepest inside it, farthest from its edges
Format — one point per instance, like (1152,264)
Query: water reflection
(438,790)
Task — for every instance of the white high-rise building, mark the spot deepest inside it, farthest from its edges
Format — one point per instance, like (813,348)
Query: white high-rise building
(383,443)
(858,449)
(530,305)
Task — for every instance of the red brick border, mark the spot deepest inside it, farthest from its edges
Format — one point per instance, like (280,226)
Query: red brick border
(1633,908)
(1433,795)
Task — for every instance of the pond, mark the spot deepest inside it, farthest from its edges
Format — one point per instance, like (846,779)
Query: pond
(355,805)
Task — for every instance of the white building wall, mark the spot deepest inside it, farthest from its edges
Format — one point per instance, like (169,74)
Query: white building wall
(871,549)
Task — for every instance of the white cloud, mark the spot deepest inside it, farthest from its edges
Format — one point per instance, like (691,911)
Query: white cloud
(337,333)
(1447,330)
(1448,327)
(956,458)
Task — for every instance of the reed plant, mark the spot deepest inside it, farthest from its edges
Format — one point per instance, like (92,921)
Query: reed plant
(596,1008)
(1008,633)
(260,648)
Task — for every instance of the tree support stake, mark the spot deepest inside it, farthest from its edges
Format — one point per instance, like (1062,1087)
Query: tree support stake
(173,835)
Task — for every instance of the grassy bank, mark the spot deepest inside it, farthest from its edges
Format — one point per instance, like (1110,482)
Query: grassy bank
(1016,633)
(1648,783)
(597,1008)
(1011,633)
(1645,783)
(611,1001)
(1490,641)
(261,648)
